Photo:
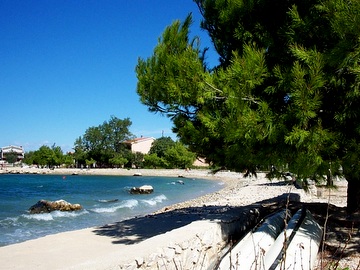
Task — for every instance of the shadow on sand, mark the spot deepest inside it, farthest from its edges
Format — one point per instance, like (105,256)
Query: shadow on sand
(138,229)
(338,228)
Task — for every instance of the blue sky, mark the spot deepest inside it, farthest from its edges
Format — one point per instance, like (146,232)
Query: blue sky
(68,65)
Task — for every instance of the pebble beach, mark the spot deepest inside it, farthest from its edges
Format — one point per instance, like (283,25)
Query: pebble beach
(102,248)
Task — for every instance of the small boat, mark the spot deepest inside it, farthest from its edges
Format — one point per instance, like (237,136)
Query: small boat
(247,254)
(264,248)
(303,235)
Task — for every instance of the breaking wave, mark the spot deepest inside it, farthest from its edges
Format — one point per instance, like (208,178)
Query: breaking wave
(115,207)
(154,201)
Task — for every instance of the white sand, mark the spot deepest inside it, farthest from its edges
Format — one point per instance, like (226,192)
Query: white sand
(95,248)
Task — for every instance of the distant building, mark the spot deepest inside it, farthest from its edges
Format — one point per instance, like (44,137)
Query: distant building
(18,150)
(142,144)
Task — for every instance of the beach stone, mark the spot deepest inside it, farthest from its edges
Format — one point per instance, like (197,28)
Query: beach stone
(44,206)
(145,189)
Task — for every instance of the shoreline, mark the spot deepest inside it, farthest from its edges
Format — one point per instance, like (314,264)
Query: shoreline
(196,173)
(123,243)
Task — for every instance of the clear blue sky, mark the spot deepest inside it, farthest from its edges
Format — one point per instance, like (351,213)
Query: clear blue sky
(68,65)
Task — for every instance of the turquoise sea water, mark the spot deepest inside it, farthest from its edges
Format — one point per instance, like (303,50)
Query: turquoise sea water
(19,192)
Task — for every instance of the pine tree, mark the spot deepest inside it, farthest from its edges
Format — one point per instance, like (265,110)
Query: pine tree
(286,91)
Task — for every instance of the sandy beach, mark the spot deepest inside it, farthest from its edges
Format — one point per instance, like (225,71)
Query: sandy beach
(163,236)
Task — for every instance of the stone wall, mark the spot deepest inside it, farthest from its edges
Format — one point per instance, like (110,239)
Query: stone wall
(202,243)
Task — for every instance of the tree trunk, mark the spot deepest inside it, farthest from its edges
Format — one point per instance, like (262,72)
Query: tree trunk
(353,194)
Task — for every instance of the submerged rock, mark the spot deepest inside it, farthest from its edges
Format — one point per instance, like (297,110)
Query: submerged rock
(44,206)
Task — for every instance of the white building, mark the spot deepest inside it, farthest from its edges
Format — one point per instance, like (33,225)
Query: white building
(18,150)
(141,145)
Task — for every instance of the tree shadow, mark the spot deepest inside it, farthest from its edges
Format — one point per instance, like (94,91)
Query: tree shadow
(138,229)
(278,184)
(342,234)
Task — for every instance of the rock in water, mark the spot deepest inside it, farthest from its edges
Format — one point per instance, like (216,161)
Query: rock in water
(45,206)
(146,189)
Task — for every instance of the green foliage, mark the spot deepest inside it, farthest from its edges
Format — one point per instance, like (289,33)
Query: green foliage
(160,145)
(68,160)
(48,156)
(286,90)
(80,152)
(11,157)
(165,153)
(104,143)
(90,163)
(29,157)
(178,156)
(153,161)
(137,159)
(168,81)
(118,161)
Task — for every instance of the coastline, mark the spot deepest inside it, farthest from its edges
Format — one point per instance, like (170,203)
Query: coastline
(198,173)
(128,243)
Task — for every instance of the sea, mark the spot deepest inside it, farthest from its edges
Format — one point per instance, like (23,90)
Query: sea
(105,199)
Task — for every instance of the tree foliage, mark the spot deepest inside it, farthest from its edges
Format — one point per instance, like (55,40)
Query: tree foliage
(49,157)
(178,156)
(165,153)
(153,161)
(137,159)
(160,146)
(11,157)
(118,160)
(286,91)
(104,143)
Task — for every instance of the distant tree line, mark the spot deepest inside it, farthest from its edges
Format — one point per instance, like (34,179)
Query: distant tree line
(47,156)
(103,147)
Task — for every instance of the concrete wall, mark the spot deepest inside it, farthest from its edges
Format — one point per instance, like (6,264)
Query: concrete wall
(201,246)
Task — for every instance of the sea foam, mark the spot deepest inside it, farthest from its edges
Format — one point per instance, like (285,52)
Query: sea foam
(155,200)
(54,215)
(116,206)
(43,216)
